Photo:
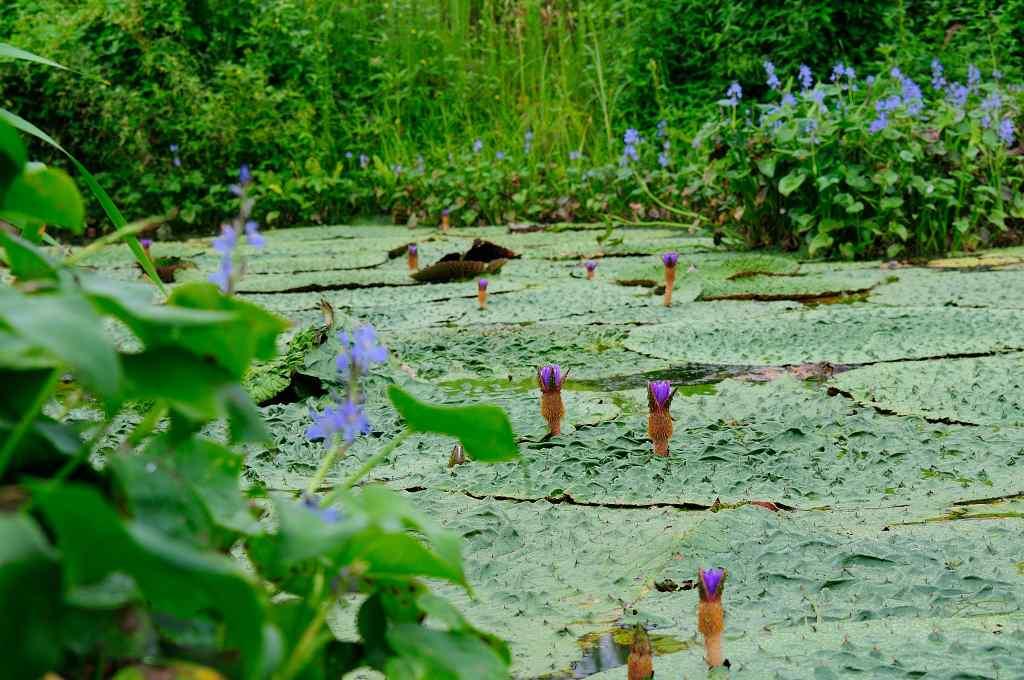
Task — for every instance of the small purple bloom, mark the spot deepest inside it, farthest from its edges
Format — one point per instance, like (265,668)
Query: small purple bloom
(1007,131)
(575,155)
(958,95)
(227,241)
(788,99)
(253,236)
(664,160)
(482,284)
(499,155)
(413,250)
(870,80)
(660,391)
(670,258)
(397,169)
(146,243)
(551,377)
(773,79)
(817,95)
(590,265)
(328,515)
(631,137)
(806,78)
(349,420)
(174,148)
(986,121)
(973,76)
(879,124)
(446,212)
(992,103)
(710,583)
(734,94)
(938,75)
(349,155)
(662,129)
(364,161)
(478,145)
(222,277)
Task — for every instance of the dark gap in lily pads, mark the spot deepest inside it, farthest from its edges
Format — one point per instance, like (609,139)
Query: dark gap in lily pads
(806,298)
(691,374)
(300,388)
(483,257)
(324,288)
(881,410)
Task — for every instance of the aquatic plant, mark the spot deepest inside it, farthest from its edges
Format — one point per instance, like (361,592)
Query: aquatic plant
(481,293)
(232,263)
(550,379)
(640,664)
(413,257)
(710,615)
(659,419)
(669,260)
(591,267)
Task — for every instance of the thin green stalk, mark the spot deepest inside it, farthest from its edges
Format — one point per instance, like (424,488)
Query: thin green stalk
(27,418)
(372,462)
(308,640)
(325,467)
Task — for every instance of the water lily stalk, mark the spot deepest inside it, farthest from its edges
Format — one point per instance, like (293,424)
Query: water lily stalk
(414,257)
(481,293)
(659,419)
(710,615)
(550,379)
(445,221)
(640,663)
(669,260)
(590,266)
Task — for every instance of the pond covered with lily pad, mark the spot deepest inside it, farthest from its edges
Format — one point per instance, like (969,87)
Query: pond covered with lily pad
(857,468)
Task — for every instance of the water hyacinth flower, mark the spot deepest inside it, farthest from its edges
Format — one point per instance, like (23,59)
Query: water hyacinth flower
(575,155)
(662,129)
(550,379)
(413,256)
(328,515)
(244,180)
(805,76)
(817,95)
(788,99)
(958,95)
(710,615)
(481,293)
(669,260)
(1007,132)
(973,77)
(659,420)
(591,267)
(631,137)
(499,155)
(912,98)
(773,79)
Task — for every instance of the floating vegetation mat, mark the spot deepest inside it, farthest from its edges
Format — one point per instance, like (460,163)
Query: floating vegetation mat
(857,468)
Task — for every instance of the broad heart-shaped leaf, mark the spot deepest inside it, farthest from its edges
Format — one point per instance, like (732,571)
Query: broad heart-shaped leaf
(30,586)
(66,326)
(26,261)
(484,431)
(250,333)
(172,576)
(441,655)
(12,156)
(42,195)
(198,390)
(791,182)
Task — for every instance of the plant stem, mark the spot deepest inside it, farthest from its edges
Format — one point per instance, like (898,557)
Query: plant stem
(26,420)
(372,462)
(325,467)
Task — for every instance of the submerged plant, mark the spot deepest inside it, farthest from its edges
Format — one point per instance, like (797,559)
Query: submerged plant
(481,293)
(670,260)
(590,266)
(659,419)
(640,662)
(550,379)
(458,456)
(710,615)
(413,257)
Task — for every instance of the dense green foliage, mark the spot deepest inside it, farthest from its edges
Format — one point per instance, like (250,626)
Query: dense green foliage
(301,90)
(121,499)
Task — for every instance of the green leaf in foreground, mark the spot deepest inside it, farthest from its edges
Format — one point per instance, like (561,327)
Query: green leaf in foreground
(42,195)
(484,431)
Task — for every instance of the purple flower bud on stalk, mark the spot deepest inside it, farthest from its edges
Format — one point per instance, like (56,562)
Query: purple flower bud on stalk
(550,377)
(670,258)
(146,243)
(348,420)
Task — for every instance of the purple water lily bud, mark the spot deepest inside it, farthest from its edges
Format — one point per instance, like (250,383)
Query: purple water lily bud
(590,265)
(670,258)
(146,243)
(482,284)
(660,393)
(551,377)
(413,250)
(710,584)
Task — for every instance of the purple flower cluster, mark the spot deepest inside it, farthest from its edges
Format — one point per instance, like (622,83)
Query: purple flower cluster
(346,417)
(1007,132)
(528,142)
(805,76)
(773,78)
(232,265)
(938,75)
(883,107)
(734,94)
(631,139)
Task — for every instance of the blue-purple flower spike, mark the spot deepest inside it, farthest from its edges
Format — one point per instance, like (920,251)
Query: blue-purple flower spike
(710,584)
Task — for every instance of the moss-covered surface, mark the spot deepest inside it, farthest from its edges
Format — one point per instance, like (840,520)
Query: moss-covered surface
(871,523)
